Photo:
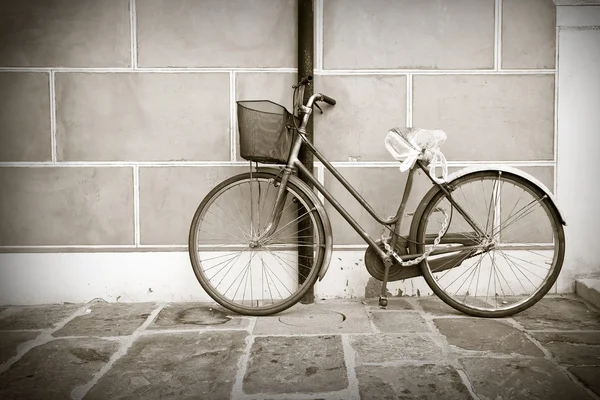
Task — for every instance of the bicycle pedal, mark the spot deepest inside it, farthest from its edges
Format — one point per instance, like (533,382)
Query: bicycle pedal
(383,301)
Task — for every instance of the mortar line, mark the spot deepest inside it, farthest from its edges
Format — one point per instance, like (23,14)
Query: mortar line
(232,116)
(206,329)
(556,91)
(548,356)
(80,391)
(321,179)
(42,338)
(237,390)
(124,164)
(442,342)
(348,72)
(350,361)
(498,35)
(52,85)
(341,72)
(371,322)
(340,164)
(136,205)
(409,100)
(133,26)
(319,45)
(149,69)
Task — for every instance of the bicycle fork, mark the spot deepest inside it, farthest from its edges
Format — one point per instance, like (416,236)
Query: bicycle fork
(275,217)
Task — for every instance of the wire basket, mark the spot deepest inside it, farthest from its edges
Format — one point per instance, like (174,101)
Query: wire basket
(265,131)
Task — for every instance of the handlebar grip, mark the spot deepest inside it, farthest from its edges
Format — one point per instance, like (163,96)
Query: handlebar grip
(328,100)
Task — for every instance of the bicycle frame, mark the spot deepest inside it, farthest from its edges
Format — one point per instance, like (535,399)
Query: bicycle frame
(295,164)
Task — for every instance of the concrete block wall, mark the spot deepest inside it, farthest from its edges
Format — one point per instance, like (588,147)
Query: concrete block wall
(118,116)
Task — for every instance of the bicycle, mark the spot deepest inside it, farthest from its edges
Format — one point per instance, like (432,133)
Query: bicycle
(260,240)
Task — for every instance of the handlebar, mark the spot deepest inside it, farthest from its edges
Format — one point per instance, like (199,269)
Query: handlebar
(328,100)
(307,80)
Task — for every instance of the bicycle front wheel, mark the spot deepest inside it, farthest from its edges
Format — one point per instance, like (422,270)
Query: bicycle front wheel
(515,259)
(240,270)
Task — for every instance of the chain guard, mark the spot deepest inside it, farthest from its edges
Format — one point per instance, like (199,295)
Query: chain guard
(376,267)
(397,272)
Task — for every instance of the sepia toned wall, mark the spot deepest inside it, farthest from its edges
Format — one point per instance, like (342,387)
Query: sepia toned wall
(118,116)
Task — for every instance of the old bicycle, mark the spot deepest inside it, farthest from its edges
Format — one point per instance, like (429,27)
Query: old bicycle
(488,240)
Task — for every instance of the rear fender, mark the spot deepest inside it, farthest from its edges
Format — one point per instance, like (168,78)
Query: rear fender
(478,168)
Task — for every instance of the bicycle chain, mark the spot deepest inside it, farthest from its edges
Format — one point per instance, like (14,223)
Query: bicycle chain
(422,257)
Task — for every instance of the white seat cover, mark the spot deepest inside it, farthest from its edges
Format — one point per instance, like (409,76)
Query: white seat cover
(411,144)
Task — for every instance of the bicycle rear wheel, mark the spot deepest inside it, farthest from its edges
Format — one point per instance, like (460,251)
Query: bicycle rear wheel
(242,273)
(516,260)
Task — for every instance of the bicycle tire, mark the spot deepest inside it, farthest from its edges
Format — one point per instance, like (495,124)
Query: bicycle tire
(519,249)
(257,306)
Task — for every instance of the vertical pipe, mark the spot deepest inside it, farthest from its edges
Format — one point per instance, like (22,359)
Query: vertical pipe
(305,68)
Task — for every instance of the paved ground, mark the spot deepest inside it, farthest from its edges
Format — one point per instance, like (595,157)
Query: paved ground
(418,348)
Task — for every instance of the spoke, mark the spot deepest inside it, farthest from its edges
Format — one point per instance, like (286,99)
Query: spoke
(266,278)
(245,269)
(520,268)
(458,277)
(489,213)
(225,266)
(505,280)
(215,257)
(468,287)
(251,208)
(533,227)
(287,262)
(270,272)
(229,214)
(242,230)
(510,265)
(522,213)
(240,214)
(289,223)
(238,239)
(466,279)
(246,204)
(220,263)
(528,262)
(541,255)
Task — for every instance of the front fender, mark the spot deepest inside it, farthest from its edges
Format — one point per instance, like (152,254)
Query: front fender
(322,214)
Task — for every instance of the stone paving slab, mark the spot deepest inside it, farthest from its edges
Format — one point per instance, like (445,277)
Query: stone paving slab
(328,317)
(394,348)
(486,335)
(589,338)
(196,315)
(435,306)
(559,313)
(175,366)
(39,317)
(10,341)
(399,321)
(53,370)
(108,319)
(393,304)
(588,375)
(411,382)
(574,354)
(309,364)
(494,378)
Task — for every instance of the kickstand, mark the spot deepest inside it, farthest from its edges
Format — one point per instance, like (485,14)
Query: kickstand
(383,300)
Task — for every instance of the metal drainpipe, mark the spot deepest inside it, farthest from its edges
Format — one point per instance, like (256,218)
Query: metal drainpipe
(305,68)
